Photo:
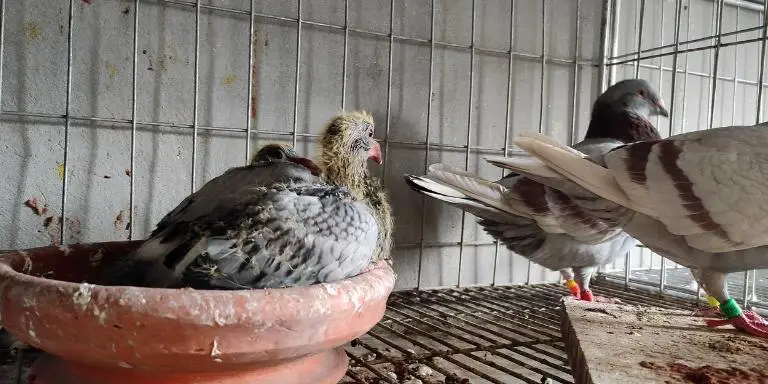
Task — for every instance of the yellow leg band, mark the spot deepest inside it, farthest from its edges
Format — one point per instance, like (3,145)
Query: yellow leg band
(712,302)
(573,287)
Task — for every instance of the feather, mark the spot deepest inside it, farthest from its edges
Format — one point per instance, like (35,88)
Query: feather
(266,225)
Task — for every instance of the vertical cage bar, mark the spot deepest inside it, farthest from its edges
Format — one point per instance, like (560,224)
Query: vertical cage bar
(134,95)
(195,106)
(735,68)
(508,115)
(627,265)
(661,62)
(640,36)
(574,100)
(2,45)
(67,122)
(426,140)
(389,89)
(663,261)
(249,107)
(761,73)
(296,74)
(745,289)
(686,70)
(758,118)
(715,64)
(606,16)
(542,89)
(616,8)
(469,131)
(346,49)
(673,89)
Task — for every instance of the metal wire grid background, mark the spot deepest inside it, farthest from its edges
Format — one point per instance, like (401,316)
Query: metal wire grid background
(543,81)
(708,59)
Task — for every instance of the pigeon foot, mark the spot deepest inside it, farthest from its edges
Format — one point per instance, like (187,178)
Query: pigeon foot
(574,288)
(752,324)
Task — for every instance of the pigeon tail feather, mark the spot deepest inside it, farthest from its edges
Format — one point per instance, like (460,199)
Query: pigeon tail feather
(579,169)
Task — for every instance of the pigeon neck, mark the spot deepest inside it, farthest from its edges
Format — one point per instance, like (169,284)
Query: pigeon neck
(342,171)
(624,125)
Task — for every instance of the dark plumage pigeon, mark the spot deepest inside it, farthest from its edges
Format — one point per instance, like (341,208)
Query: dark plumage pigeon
(270,224)
(542,223)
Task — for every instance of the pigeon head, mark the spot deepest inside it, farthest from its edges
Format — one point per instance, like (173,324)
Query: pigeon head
(636,95)
(346,146)
(351,134)
(273,153)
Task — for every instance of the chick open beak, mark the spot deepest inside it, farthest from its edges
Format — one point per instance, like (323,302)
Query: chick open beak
(307,163)
(375,152)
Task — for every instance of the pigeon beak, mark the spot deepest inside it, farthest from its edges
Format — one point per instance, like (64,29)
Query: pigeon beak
(307,163)
(661,109)
(375,152)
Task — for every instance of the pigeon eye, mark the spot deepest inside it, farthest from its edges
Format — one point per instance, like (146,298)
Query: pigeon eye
(642,93)
(370,132)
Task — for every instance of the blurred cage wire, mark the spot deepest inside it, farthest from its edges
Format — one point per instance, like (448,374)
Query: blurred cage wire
(104,100)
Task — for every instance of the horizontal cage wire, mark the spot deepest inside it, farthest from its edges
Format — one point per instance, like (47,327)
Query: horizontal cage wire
(113,111)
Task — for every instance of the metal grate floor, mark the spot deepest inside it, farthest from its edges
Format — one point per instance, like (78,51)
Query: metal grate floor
(680,279)
(475,335)
(461,335)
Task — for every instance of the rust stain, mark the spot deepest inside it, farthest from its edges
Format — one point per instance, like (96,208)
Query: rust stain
(120,219)
(112,69)
(35,206)
(89,2)
(266,40)
(60,170)
(229,80)
(73,226)
(255,77)
(32,31)
(54,229)
(112,72)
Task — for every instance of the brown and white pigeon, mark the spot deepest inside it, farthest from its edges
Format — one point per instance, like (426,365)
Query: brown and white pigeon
(699,198)
(270,224)
(541,223)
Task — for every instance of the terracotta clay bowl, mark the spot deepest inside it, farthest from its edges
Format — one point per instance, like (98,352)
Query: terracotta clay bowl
(102,334)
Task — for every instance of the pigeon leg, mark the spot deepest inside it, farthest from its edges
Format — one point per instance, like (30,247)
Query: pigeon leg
(713,310)
(715,285)
(567,274)
(583,277)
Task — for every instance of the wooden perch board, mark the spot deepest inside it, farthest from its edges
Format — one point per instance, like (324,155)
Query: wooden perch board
(615,343)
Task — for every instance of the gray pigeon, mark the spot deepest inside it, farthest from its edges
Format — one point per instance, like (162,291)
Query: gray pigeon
(266,225)
(541,223)
(698,198)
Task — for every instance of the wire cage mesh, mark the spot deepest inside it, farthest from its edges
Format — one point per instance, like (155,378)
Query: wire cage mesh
(113,111)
